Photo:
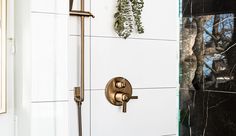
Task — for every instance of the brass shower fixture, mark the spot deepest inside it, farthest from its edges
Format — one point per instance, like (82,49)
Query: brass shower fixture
(79,90)
(119,91)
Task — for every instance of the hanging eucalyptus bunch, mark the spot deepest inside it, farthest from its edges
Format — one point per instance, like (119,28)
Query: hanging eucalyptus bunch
(128,17)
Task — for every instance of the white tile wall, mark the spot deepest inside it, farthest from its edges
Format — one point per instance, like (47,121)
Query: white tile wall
(148,61)
(142,59)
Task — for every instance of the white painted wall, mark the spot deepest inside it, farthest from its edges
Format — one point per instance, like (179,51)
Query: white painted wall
(7,120)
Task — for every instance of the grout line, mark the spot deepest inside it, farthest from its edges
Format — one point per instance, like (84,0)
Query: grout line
(55,101)
(51,13)
(150,39)
(151,88)
(171,87)
(132,38)
(169,135)
(87,90)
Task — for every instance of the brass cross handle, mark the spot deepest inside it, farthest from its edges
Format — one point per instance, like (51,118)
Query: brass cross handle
(119,92)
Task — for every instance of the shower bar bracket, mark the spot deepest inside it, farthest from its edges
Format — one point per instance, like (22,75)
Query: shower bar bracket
(81,13)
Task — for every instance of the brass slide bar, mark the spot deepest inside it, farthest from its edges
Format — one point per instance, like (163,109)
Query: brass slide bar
(79,91)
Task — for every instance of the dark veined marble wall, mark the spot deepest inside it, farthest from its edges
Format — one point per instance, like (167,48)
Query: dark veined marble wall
(208,68)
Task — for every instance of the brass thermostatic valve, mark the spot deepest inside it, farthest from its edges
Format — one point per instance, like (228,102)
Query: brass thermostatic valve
(119,91)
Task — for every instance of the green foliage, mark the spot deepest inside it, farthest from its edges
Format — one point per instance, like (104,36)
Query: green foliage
(137,6)
(128,16)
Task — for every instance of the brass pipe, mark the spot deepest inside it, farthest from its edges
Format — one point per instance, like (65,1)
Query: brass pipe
(82,61)
(82,53)
(82,5)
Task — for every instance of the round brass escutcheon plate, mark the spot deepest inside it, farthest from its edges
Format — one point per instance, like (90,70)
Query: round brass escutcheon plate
(117,85)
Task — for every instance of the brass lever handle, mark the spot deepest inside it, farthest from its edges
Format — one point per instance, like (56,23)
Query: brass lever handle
(124,105)
(134,97)
(124,99)
(119,92)
(124,109)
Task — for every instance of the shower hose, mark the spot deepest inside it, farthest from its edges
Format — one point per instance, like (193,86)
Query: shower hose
(79,118)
